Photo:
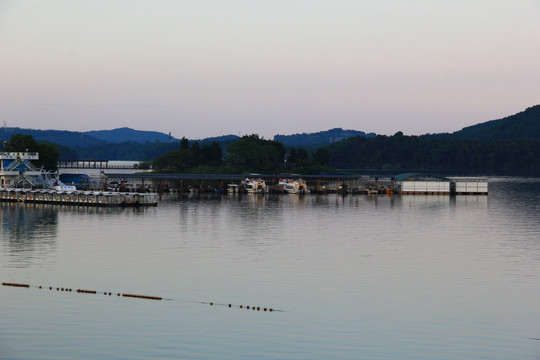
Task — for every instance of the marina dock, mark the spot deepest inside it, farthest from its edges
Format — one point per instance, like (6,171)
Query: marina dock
(408,183)
(81,198)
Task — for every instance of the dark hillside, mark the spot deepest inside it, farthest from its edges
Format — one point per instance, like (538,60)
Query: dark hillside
(130,150)
(420,153)
(126,134)
(67,138)
(523,125)
(319,139)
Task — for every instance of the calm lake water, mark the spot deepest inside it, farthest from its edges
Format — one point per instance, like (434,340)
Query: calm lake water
(357,277)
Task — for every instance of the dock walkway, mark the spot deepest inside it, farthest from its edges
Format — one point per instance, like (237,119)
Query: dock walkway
(77,197)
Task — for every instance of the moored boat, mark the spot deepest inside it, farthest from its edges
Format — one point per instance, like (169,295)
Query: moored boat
(255,185)
(232,188)
(293,186)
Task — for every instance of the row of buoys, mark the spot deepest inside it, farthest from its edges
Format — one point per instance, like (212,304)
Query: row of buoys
(142,296)
(148,297)
(82,291)
(258,308)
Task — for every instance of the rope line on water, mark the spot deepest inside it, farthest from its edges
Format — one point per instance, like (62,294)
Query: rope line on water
(137,296)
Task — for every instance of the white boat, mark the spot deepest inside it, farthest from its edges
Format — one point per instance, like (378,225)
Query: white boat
(232,188)
(293,186)
(255,185)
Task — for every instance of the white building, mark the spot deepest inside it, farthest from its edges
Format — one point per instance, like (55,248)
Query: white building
(16,171)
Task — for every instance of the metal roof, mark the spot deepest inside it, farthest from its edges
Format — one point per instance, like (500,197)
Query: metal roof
(231,177)
(420,177)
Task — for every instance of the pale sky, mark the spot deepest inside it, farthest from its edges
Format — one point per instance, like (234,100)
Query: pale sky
(208,68)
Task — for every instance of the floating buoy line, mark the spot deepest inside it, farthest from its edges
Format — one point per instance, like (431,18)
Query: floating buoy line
(147,297)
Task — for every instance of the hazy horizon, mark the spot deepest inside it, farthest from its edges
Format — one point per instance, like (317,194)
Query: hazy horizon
(206,69)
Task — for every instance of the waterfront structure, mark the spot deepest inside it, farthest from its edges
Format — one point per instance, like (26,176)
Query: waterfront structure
(410,183)
(469,186)
(425,184)
(77,197)
(17,171)
(22,181)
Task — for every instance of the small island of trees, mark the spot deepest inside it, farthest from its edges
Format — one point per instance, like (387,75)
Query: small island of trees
(250,154)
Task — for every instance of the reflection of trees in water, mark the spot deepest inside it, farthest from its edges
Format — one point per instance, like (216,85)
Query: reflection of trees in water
(28,230)
(520,196)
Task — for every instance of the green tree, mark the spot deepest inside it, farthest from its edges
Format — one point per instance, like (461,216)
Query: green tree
(48,155)
(22,143)
(254,154)
(184,144)
(211,154)
(302,157)
(292,156)
(321,156)
(302,154)
(48,152)
(176,161)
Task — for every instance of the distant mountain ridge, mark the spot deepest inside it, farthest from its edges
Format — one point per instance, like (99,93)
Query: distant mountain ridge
(125,134)
(89,138)
(126,143)
(61,137)
(219,139)
(319,139)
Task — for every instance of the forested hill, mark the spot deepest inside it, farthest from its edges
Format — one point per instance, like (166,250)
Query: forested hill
(126,134)
(523,125)
(319,139)
(66,138)
(402,153)
(89,138)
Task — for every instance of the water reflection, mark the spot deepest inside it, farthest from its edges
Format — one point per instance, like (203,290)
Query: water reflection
(477,202)
(514,207)
(28,231)
(360,276)
(519,196)
(259,201)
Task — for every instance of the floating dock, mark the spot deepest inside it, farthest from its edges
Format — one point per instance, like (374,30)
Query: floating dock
(77,197)
(421,184)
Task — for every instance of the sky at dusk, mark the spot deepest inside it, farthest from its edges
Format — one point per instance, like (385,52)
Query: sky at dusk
(208,68)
